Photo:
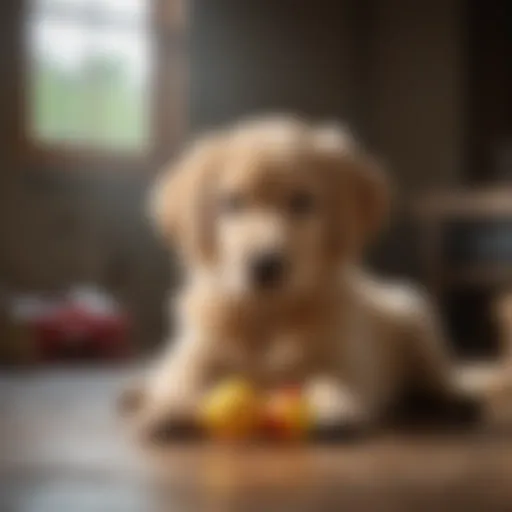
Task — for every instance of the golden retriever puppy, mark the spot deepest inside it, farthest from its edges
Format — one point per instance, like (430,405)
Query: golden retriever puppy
(271,218)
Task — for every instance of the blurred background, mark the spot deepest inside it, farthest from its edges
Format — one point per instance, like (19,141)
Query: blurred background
(96,95)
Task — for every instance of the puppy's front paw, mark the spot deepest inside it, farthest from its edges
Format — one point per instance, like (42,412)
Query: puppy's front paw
(336,411)
(165,419)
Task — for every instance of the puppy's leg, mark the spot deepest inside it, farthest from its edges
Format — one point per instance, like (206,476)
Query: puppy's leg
(174,389)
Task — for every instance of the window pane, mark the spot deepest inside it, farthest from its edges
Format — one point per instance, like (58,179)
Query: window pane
(117,82)
(136,10)
(57,81)
(58,8)
(89,82)
(130,10)
(45,4)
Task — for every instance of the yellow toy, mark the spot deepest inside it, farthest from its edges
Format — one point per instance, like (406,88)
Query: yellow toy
(231,411)
(234,410)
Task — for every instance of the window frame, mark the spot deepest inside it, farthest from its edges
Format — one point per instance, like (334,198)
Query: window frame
(167,55)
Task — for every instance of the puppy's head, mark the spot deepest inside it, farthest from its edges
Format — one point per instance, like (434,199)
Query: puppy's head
(272,206)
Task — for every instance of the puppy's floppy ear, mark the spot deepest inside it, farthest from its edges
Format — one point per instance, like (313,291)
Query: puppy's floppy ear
(180,201)
(369,190)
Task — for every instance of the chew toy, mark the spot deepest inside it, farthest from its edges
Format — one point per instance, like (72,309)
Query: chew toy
(286,415)
(234,410)
(231,411)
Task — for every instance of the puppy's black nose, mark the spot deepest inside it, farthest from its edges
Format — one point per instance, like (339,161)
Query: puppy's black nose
(267,270)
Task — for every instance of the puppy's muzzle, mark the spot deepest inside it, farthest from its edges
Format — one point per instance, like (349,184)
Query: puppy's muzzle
(267,270)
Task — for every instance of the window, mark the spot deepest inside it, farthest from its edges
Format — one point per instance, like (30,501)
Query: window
(89,75)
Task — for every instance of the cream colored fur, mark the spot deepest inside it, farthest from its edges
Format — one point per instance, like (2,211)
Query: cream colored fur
(352,340)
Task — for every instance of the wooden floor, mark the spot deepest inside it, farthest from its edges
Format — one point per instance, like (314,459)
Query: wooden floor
(63,450)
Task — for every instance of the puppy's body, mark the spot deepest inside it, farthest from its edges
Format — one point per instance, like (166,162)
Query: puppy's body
(363,343)
(271,219)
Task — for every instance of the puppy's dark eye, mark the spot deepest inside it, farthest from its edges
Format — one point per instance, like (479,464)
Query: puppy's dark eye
(232,203)
(301,204)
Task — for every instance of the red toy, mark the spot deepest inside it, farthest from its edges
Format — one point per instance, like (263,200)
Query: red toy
(73,333)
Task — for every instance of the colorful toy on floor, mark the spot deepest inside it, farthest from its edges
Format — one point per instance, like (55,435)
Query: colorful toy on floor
(235,410)
(287,415)
(231,411)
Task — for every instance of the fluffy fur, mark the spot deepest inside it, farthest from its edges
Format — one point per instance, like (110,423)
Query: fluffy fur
(311,195)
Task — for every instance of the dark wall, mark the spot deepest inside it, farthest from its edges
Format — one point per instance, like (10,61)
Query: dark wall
(489,75)
(286,55)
